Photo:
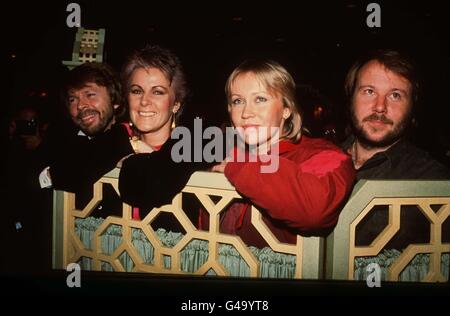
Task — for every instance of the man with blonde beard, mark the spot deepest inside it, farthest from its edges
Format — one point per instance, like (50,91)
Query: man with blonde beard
(383,91)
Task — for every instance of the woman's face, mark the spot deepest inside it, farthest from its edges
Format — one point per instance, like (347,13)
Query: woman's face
(152,101)
(257,113)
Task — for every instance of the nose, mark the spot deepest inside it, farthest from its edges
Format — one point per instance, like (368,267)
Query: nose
(82,102)
(380,104)
(248,111)
(145,100)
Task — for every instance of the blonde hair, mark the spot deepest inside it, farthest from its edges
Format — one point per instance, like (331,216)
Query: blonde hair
(276,78)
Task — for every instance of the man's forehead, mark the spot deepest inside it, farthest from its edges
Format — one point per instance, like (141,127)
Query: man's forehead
(85,86)
(375,72)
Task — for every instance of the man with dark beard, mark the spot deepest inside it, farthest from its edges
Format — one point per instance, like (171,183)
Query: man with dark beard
(83,154)
(383,91)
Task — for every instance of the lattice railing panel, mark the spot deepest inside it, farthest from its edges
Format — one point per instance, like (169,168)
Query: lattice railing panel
(435,248)
(74,249)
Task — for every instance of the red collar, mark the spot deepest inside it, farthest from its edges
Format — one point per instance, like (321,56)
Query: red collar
(157,148)
(286,146)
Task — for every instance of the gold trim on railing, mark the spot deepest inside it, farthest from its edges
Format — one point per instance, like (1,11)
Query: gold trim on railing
(435,248)
(202,185)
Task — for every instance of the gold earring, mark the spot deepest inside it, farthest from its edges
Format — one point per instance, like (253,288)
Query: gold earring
(173,124)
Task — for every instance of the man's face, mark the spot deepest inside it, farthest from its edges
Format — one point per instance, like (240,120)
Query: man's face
(91,109)
(381,106)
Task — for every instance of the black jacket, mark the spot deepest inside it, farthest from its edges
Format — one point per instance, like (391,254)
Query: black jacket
(402,161)
(78,161)
(151,180)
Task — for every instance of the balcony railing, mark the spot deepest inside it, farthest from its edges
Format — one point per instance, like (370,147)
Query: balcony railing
(123,244)
(427,262)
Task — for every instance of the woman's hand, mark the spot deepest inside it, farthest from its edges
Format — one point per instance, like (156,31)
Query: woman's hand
(220,167)
(143,148)
(140,147)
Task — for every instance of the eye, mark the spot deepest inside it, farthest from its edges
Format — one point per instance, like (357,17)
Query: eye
(396,96)
(71,100)
(369,91)
(260,99)
(158,92)
(90,94)
(135,91)
(237,101)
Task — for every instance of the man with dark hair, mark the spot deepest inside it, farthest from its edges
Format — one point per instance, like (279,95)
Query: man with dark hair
(383,90)
(93,98)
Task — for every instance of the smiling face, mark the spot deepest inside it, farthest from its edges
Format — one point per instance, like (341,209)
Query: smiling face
(381,105)
(253,109)
(90,108)
(152,105)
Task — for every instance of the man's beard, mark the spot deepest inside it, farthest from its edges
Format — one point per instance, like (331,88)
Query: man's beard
(389,139)
(98,128)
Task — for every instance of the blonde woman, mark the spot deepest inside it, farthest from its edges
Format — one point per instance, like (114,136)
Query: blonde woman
(313,176)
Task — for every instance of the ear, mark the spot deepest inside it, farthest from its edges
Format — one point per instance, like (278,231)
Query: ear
(286,113)
(229,108)
(176,107)
(115,106)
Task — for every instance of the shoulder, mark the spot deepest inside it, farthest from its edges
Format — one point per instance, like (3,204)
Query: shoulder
(315,146)
(321,156)
(418,162)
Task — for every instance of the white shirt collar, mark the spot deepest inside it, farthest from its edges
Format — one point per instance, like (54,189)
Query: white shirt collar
(81,133)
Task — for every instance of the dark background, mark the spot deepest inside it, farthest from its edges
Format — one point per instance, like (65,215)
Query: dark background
(316,41)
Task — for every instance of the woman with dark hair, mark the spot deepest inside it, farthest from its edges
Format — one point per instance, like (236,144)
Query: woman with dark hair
(156,89)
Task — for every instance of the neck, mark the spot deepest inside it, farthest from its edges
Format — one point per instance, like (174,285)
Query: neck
(111,123)
(361,153)
(157,138)
(267,146)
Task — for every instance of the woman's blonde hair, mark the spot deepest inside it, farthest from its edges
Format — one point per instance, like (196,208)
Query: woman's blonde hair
(276,78)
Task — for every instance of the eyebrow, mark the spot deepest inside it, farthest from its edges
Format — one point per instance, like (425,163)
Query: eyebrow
(365,86)
(258,92)
(153,87)
(71,92)
(394,89)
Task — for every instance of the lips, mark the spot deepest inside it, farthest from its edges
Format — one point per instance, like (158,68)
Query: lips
(88,119)
(88,116)
(146,114)
(250,127)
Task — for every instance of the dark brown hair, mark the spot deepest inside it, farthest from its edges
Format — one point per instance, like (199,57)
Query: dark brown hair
(100,74)
(392,60)
(154,56)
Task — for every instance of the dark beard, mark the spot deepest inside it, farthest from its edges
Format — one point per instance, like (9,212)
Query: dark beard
(100,127)
(391,138)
